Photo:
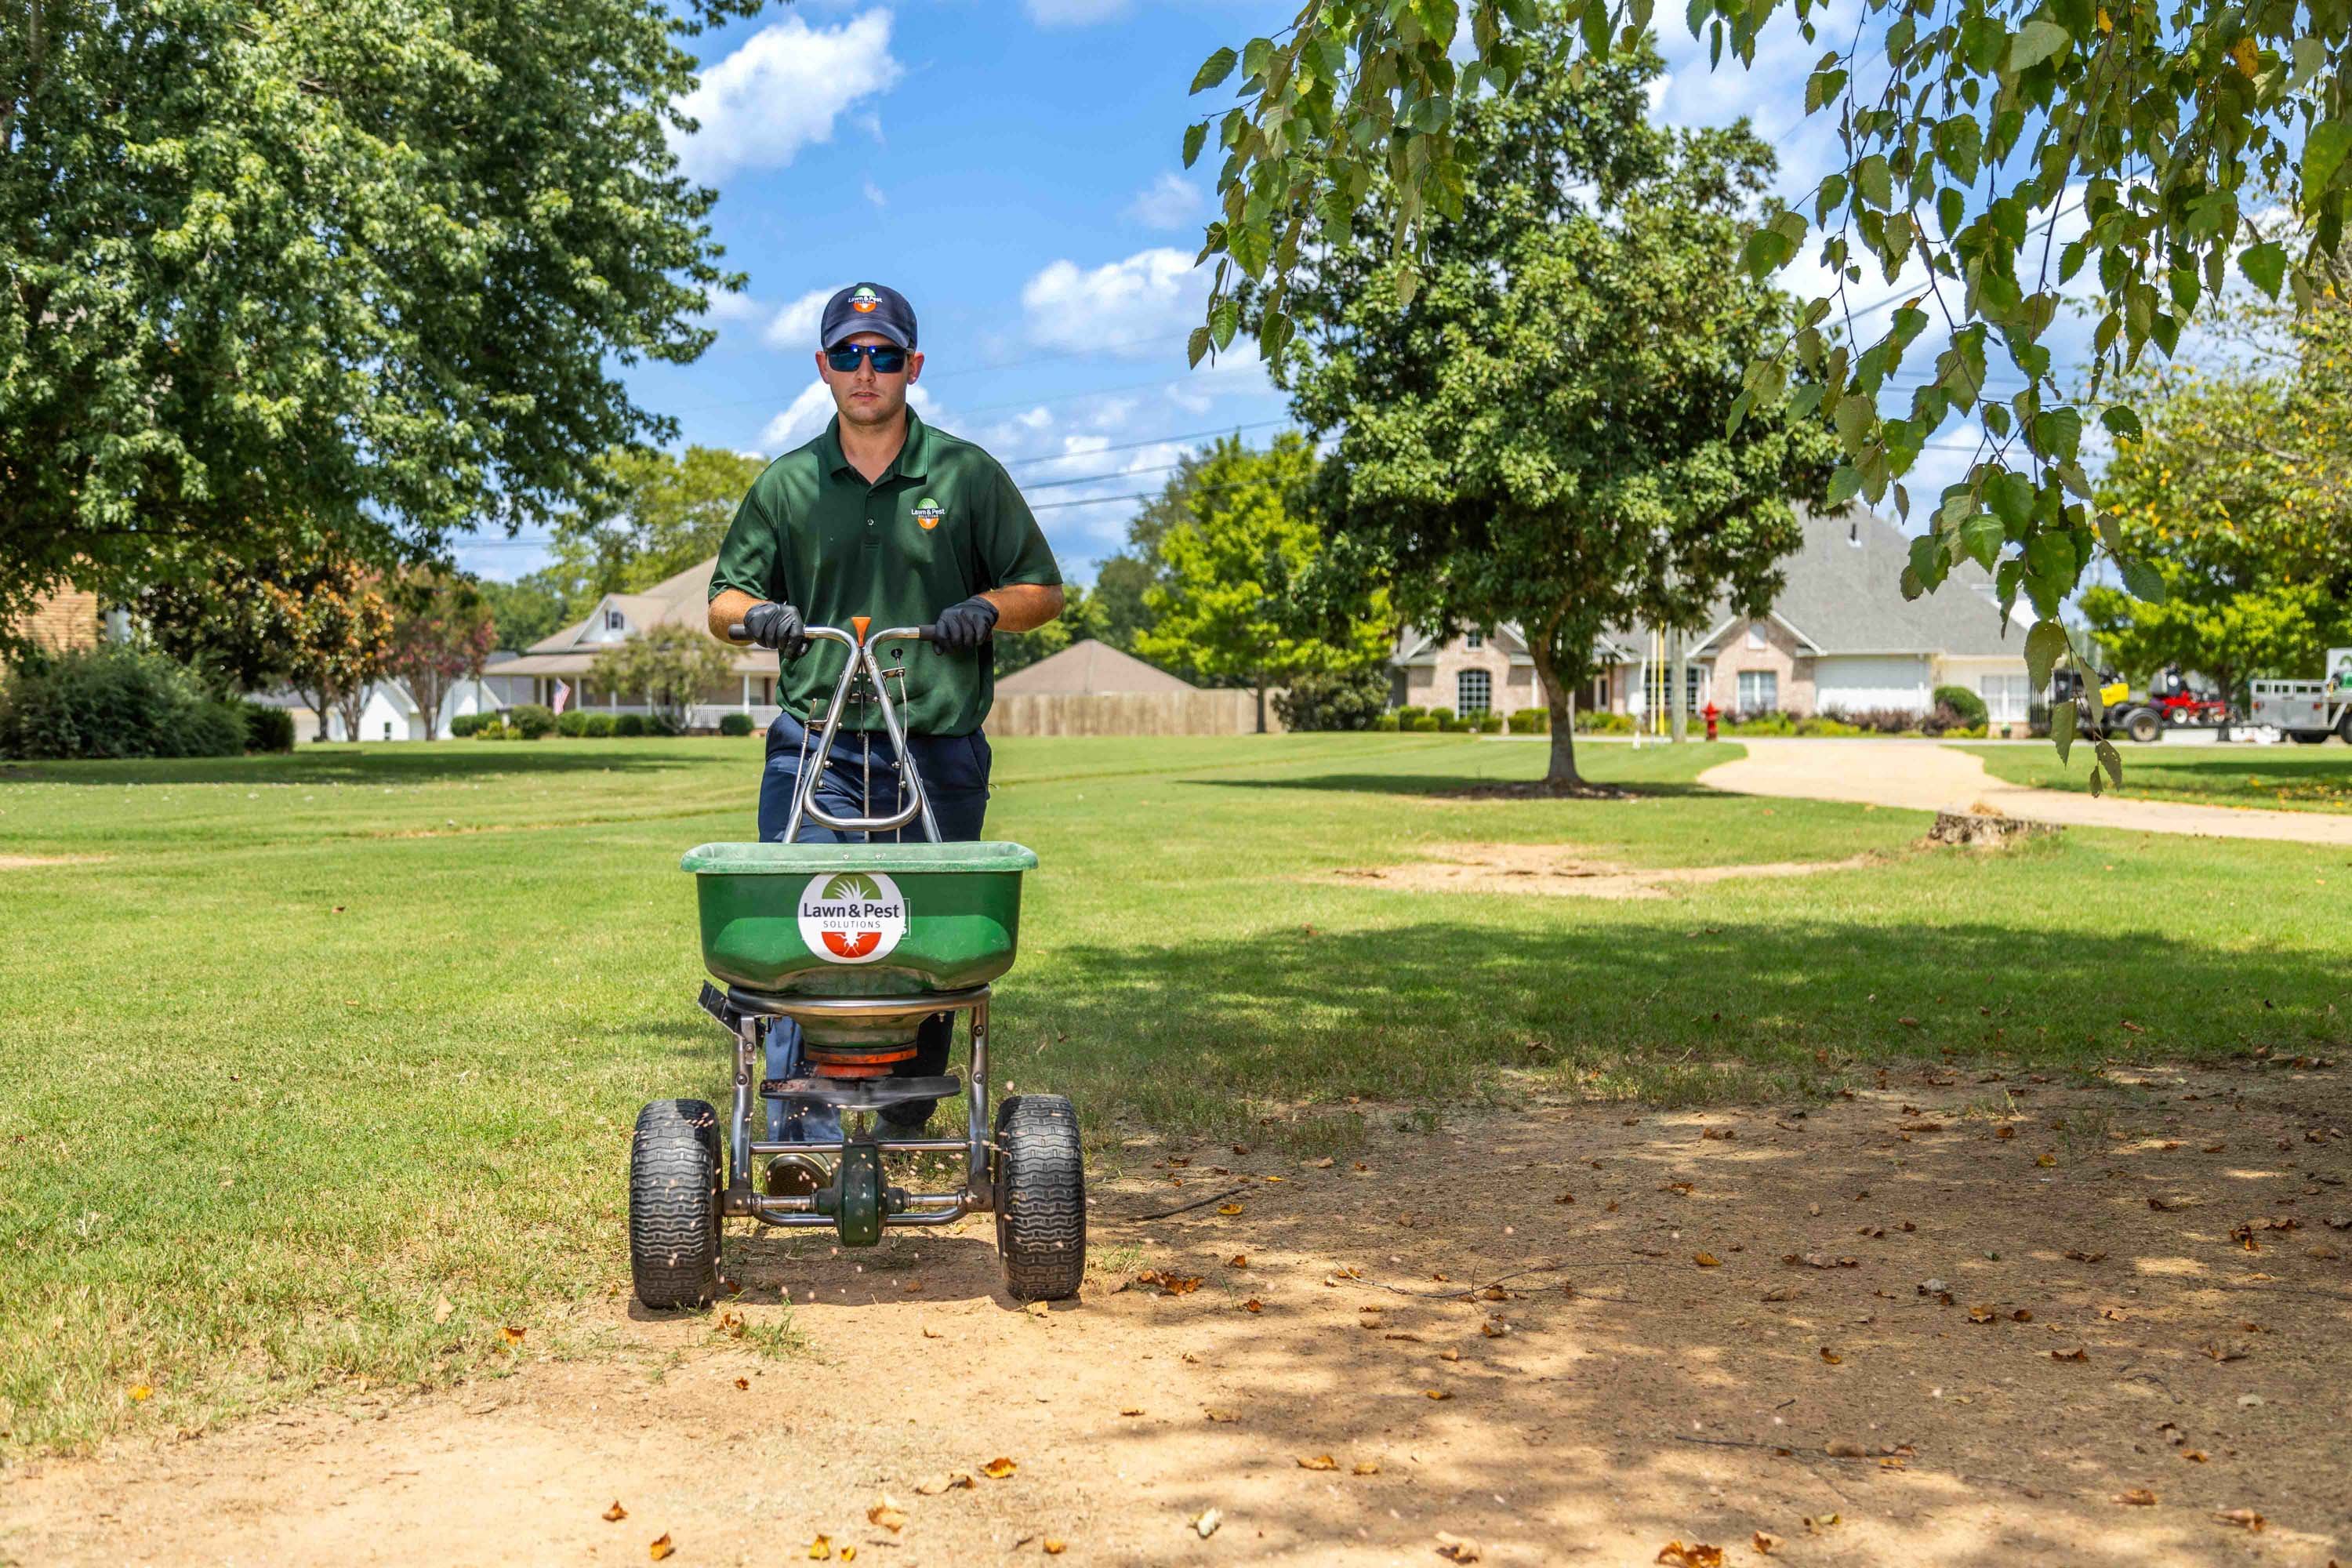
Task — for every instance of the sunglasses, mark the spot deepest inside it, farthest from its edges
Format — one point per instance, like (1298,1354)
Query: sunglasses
(888,359)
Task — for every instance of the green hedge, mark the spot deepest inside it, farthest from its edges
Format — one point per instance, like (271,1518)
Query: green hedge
(463,726)
(1966,704)
(491,728)
(574,724)
(1425,724)
(734,724)
(1486,724)
(113,701)
(1407,713)
(531,721)
(1385,721)
(267,729)
(628,723)
(1605,723)
(601,726)
(1531,721)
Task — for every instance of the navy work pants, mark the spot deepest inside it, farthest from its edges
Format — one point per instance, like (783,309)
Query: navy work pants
(861,779)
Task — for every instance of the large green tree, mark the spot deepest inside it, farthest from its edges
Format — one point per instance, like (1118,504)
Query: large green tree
(375,267)
(1537,434)
(1242,598)
(2168,139)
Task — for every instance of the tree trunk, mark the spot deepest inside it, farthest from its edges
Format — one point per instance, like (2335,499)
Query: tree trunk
(321,698)
(1260,689)
(1561,773)
(352,704)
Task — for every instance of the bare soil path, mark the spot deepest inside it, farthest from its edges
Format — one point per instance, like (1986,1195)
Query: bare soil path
(1958,1320)
(1925,776)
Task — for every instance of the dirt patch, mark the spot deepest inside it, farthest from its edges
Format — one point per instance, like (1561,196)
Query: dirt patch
(1982,827)
(1554,870)
(1957,1319)
(28,862)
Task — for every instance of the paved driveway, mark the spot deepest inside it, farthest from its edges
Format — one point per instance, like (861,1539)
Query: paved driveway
(1926,775)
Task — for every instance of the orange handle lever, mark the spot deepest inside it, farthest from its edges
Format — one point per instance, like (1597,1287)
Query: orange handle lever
(861,623)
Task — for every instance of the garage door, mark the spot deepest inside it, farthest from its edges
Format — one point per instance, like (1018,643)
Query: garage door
(1849,683)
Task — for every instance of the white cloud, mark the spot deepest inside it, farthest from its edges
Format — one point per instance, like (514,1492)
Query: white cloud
(809,413)
(1169,202)
(732,308)
(874,192)
(1035,419)
(1238,372)
(796,326)
(1073,13)
(782,90)
(1132,308)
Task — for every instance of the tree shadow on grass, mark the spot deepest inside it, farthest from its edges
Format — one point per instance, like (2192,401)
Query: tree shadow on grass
(389,763)
(1456,786)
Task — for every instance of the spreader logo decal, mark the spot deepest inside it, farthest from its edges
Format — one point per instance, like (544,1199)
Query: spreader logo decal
(864,301)
(852,916)
(927,513)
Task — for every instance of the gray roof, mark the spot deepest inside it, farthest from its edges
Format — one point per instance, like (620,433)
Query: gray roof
(1088,669)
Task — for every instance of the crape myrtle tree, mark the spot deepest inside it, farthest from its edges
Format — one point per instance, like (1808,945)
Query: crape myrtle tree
(670,667)
(2177,140)
(441,630)
(372,267)
(1535,433)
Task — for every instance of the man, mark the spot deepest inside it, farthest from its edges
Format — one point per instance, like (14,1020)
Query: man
(880,516)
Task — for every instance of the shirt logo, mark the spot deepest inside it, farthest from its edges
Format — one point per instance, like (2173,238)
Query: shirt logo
(864,301)
(927,513)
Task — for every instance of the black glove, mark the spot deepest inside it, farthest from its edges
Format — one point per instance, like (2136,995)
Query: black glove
(965,626)
(777,627)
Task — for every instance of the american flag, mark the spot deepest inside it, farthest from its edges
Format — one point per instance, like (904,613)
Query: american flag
(562,695)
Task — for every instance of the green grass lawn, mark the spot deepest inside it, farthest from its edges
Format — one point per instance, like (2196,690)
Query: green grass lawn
(300,1046)
(2284,777)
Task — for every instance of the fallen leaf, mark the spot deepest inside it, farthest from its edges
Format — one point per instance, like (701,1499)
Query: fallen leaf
(888,1514)
(1229,1208)
(1565,1198)
(659,1547)
(1707,1260)
(1252,1305)
(614,1515)
(1763,1543)
(2021,1316)
(1831,1356)
(1698,1555)
(1458,1548)
(2046,1160)
(950,1482)
(1238,1260)
(2194,1455)
(731,1324)
(442,1307)
(1820,1522)
(1318,1462)
(1982,1314)
(1170,1284)
(1054,1545)
(1781,1293)
(998,1468)
(1438,1393)
(819,1551)
(2245,1518)
(931,1333)
(140,1394)
(1219,1415)
(1322,1164)
(1205,1522)
(1494,1328)
(2138,1497)
(743,1383)
(512,1334)
(1449,1355)
(1133,1410)
(1368,1467)
(1719,1133)
(2087,1257)
(2077,1354)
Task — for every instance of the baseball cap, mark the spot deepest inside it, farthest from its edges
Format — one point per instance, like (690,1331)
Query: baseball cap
(867,308)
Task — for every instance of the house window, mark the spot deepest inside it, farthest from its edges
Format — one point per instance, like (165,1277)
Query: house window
(1759,690)
(2006,697)
(1474,691)
(1756,634)
(1473,640)
(613,621)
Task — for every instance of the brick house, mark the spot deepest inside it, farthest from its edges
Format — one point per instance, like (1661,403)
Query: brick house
(68,618)
(1840,638)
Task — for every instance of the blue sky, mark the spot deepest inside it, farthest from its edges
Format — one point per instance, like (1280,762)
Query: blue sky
(1014,169)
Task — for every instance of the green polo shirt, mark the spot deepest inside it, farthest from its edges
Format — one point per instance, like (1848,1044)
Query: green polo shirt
(942,524)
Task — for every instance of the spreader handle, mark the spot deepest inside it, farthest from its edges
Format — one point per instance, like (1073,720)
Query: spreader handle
(738,632)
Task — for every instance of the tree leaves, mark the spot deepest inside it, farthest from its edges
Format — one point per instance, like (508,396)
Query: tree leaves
(1195,136)
(1214,70)
(2035,42)
(2044,643)
(2323,154)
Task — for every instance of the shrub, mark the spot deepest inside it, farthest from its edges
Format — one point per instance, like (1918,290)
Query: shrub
(531,721)
(1819,727)
(574,724)
(463,726)
(491,728)
(1878,721)
(1530,720)
(1347,700)
(1407,713)
(1967,705)
(1386,722)
(1770,722)
(113,701)
(1488,723)
(629,724)
(734,724)
(1605,723)
(1425,724)
(599,726)
(267,728)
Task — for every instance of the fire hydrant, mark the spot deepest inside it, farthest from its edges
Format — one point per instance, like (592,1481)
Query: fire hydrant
(1710,710)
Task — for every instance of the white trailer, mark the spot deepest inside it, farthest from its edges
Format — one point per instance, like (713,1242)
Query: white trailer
(2309,710)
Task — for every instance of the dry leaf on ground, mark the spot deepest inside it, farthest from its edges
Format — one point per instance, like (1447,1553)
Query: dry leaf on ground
(998,1469)
(950,1482)
(888,1514)
(1698,1555)
(1763,1543)
(1707,1260)
(1038,1310)
(1229,1208)
(2077,1354)
(1054,1545)
(2137,1497)
(512,1334)
(1438,1393)
(743,1383)
(2245,1518)
(1831,1356)
(442,1307)
(1205,1522)
(1458,1548)
(614,1515)
(659,1547)
(1367,1467)
(1318,1462)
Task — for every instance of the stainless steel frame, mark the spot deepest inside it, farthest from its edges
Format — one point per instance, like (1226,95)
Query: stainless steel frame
(862,663)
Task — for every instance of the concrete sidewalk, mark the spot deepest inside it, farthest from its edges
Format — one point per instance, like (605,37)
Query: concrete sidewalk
(1925,776)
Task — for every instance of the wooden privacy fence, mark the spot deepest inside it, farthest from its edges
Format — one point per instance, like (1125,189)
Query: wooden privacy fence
(1131,713)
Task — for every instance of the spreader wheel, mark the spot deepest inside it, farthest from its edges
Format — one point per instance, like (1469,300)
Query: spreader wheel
(1041,1197)
(674,1204)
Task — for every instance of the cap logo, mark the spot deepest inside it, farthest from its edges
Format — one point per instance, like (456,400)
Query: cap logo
(927,513)
(864,301)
